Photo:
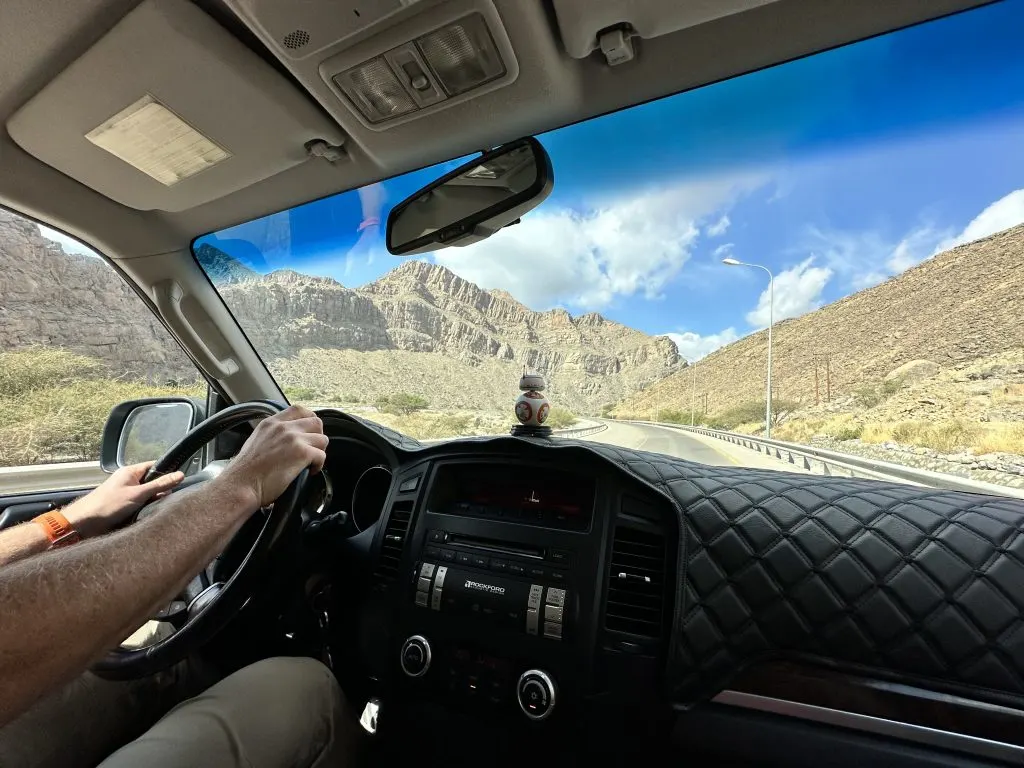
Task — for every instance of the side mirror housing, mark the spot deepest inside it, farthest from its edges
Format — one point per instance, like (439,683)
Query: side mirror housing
(474,201)
(144,429)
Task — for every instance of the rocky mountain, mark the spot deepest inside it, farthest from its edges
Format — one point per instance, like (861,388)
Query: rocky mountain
(961,306)
(418,329)
(54,298)
(425,330)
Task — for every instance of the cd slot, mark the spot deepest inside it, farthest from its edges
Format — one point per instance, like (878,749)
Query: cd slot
(494,547)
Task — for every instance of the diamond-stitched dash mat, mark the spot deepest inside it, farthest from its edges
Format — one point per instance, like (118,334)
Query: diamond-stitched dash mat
(905,582)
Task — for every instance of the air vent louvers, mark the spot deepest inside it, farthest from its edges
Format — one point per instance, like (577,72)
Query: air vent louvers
(636,583)
(392,546)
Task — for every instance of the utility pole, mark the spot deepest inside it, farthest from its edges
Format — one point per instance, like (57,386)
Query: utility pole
(731,262)
(693,392)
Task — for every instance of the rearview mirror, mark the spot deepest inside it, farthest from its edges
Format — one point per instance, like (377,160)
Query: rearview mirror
(474,201)
(143,430)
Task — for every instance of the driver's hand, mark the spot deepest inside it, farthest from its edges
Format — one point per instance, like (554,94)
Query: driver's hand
(116,498)
(279,448)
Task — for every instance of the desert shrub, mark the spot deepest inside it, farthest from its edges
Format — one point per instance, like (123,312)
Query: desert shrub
(44,368)
(750,412)
(674,416)
(301,394)
(891,386)
(401,403)
(560,418)
(867,397)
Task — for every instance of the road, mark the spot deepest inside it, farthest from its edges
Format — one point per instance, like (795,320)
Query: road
(671,442)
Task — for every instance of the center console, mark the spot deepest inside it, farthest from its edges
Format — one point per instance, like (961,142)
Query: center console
(488,584)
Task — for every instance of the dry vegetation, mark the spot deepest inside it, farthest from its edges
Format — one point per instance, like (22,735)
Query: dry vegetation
(53,404)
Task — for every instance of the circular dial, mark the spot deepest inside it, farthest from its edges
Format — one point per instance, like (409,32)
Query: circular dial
(536,694)
(415,658)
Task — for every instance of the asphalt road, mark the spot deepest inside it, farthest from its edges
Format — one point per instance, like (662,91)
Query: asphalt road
(671,442)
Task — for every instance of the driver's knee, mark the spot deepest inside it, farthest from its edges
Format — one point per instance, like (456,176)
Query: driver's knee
(277,712)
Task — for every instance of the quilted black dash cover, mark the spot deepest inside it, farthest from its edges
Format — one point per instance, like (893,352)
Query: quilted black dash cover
(908,582)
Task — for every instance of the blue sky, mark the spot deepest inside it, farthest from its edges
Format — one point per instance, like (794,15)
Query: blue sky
(836,172)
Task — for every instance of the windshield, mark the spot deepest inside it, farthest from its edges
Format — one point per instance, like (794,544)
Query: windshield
(865,203)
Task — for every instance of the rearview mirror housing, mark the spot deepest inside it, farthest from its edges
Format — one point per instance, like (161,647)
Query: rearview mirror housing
(144,429)
(474,201)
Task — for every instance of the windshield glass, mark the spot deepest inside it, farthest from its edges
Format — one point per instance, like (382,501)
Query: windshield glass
(879,186)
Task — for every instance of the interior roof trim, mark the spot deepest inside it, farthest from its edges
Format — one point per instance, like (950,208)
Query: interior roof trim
(878,726)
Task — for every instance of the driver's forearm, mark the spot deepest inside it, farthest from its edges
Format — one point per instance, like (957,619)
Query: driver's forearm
(62,609)
(20,541)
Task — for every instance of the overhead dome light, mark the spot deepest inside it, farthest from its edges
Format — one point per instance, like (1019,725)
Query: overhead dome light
(462,55)
(375,90)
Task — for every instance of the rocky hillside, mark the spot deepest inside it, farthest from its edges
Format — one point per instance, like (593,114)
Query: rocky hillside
(57,299)
(423,329)
(962,305)
(418,329)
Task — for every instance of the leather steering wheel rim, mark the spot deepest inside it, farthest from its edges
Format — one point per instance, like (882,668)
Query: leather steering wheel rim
(127,663)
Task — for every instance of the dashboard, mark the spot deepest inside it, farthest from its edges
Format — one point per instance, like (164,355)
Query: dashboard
(540,586)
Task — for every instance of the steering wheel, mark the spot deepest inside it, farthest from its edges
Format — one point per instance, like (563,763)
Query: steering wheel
(210,610)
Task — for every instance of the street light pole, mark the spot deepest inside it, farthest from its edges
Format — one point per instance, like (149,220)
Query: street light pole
(771,322)
(693,392)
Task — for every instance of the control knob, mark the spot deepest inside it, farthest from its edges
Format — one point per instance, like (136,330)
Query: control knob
(536,694)
(415,658)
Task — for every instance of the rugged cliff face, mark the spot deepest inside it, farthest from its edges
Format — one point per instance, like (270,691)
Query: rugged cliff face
(418,329)
(445,337)
(53,298)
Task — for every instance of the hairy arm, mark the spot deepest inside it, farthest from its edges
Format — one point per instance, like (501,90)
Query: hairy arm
(63,608)
(98,512)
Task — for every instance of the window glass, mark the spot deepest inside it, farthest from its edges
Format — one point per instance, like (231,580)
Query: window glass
(75,341)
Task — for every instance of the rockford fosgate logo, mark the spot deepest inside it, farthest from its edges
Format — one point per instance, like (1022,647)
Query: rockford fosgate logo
(485,587)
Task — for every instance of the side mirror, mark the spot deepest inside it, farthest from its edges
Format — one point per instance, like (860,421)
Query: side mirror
(143,430)
(474,201)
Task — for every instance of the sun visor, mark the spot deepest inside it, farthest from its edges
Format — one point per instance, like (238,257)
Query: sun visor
(169,111)
(581,21)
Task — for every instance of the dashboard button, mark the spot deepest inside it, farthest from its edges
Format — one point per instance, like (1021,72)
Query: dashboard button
(480,561)
(532,620)
(533,601)
(463,558)
(448,555)
(421,599)
(423,585)
(556,596)
(437,536)
(499,565)
(552,630)
(439,579)
(560,556)
(415,656)
(537,572)
(432,551)
(536,694)
(553,613)
(427,570)
(516,568)
(409,485)
(556,575)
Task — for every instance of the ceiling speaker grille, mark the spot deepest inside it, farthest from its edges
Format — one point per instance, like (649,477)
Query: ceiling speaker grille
(296,39)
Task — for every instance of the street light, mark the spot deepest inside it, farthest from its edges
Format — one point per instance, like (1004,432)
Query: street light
(693,390)
(771,321)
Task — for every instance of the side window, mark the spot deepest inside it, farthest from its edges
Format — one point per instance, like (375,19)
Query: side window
(75,340)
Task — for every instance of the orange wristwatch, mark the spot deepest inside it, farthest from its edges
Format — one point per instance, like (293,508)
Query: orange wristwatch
(58,530)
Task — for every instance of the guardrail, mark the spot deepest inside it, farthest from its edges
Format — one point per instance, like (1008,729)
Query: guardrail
(822,461)
(591,429)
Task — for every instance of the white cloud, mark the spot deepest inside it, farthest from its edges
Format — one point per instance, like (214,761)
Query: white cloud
(722,251)
(585,259)
(797,290)
(1004,213)
(719,227)
(69,244)
(692,346)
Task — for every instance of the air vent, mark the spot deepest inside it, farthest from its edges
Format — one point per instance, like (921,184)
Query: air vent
(295,40)
(389,559)
(636,583)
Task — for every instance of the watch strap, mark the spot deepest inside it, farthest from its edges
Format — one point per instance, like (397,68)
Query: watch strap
(58,530)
